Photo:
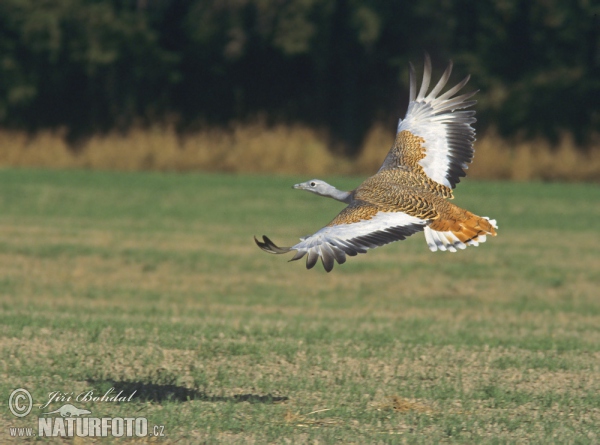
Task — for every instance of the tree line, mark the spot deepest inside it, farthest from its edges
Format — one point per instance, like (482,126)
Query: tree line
(97,65)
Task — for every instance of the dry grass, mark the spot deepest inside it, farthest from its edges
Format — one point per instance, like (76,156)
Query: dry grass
(241,148)
(294,149)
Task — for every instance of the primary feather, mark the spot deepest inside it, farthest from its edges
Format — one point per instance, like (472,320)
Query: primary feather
(410,192)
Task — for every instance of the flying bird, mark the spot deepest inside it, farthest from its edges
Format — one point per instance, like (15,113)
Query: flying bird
(411,191)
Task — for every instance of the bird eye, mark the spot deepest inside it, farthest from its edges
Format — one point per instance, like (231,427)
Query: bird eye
(312,184)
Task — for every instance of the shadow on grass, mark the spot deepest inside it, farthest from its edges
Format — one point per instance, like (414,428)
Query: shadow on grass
(152,392)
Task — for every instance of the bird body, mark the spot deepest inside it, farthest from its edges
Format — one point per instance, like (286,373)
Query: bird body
(410,192)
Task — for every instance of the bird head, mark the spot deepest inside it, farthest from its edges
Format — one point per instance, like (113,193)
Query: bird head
(321,188)
(315,186)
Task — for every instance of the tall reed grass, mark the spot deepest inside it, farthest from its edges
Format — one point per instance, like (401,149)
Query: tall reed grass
(286,149)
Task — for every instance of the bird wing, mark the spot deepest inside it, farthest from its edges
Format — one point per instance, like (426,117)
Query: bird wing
(433,136)
(359,227)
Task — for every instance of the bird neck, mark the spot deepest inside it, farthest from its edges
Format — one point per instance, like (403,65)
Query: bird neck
(339,195)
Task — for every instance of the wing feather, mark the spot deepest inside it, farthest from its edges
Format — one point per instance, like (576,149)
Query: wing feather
(455,89)
(312,258)
(447,135)
(359,227)
(442,82)
(426,78)
(412,95)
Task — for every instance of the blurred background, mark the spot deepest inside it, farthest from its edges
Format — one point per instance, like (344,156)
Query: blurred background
(296,86)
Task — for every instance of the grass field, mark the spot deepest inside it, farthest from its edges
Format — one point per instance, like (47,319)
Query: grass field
(152,283)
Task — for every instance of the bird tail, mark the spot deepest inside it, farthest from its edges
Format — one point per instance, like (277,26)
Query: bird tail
(459,231)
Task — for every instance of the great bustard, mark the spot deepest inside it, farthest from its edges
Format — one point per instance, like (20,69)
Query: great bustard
(410,192)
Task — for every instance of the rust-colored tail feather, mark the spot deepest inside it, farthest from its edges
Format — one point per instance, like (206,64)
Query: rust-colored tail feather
(472,228)
(458,229)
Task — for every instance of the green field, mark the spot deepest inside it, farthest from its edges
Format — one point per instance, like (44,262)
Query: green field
(152,283)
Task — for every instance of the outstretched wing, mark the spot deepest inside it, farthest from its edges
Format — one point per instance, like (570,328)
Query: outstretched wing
(433,135)
(359,227)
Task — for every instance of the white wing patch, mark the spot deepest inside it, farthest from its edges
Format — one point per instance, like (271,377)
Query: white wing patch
(448,134)
(335,242)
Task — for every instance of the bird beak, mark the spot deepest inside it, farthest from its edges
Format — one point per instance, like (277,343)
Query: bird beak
(297,186)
